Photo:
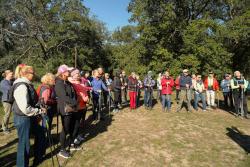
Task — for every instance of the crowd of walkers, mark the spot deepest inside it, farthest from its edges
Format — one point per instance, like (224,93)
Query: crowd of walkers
(69,93)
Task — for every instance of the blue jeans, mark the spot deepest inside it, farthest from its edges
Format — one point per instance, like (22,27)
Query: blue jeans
(25,126)
(148,98)
(197,97)
(166,101)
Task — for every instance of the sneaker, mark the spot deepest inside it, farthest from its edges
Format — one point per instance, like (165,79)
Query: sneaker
(75,148)
(77,142)
(79,137)
(64,154)
(204,110)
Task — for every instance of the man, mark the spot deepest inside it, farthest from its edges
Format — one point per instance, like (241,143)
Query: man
(199,93)
(124,80)
(185,93)
(226,89)
(212,86)
(239,85)
(149,83)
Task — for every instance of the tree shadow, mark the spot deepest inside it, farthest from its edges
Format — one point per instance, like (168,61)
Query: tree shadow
(240,138)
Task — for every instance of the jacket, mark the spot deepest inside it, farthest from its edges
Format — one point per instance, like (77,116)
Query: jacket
(5,86)
(25,98)
(149,83)
(167,88)
(185,80)
(215,84)
(177,83)
(98,85)
(116,84)
(225,85)
(132,84)
(235,86)
(65,95)
(199,87)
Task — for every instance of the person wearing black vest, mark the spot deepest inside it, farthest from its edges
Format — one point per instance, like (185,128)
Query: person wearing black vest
(239,85)
(25,120)
(116,88)
(66,105)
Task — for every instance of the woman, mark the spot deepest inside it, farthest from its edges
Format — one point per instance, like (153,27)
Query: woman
(132,86)
(25,120)
(167,84)
(138,90)
(47,96)
(117,87)
(159,87)
(66,105)
(5,86)
(82,99)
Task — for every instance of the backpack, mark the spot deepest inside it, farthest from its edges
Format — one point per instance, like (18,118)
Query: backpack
(11,98)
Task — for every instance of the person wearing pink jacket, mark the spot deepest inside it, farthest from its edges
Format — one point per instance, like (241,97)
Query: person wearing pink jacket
(167,84)
(82,99)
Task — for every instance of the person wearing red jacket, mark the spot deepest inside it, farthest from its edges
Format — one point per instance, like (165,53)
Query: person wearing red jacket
(167,84)
(132,87)
(211,86)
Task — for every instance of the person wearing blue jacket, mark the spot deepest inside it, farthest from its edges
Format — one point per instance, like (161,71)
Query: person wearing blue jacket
(5,86)
(185,90)
(98,86)
(149,83)
(227,91)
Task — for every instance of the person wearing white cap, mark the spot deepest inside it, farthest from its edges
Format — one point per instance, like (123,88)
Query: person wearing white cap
(185,93)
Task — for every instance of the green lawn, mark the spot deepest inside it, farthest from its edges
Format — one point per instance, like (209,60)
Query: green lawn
(152,138)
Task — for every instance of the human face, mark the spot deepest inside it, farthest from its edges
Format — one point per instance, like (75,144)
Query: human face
(237,74)
(52,81)
(211,75)
(65,75)
(77,76)
(86,75)
(30,75)
(185,73)
(198,78)
(10,76)
(167,74)
(123,73)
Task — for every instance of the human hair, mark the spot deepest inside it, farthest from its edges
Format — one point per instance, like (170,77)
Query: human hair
(47,78)
(22,70)
(5,73)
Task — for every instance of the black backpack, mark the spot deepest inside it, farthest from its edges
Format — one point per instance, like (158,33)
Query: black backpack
(11,98)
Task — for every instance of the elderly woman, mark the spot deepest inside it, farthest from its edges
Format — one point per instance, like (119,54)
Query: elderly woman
(66,105)
(132,87)
(82,99)
(47,95)
(5,86)
(25,120)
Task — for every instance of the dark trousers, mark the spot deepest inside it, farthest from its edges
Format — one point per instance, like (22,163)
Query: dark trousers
(238,101)
(117,99)
(228,98)
(138,98)
(26,126)
(67,129)
(177,98)
(77,116)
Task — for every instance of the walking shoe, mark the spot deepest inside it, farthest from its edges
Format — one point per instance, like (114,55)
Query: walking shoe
(75,148)
(77,142)
(204,110)
(79,137)
(64,154)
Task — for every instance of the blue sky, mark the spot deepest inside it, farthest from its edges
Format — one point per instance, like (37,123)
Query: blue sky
(112,12)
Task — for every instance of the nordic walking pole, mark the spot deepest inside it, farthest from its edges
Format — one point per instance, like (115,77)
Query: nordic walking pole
(218,99)
(241,102)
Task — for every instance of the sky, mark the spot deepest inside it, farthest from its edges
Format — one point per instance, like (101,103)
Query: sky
(112,12)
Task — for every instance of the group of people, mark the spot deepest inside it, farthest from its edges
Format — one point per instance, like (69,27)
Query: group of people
(69,92)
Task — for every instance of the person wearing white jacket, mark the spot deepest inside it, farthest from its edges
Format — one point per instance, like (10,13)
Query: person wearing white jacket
(25,120)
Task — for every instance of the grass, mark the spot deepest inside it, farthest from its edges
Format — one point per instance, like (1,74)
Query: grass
(152,138)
